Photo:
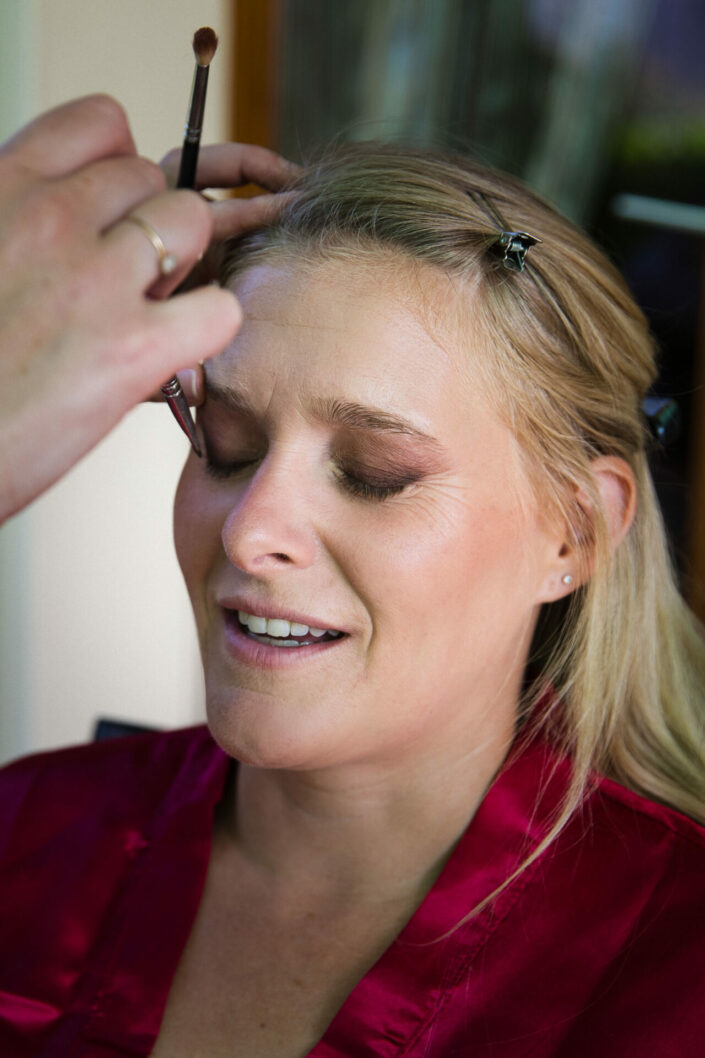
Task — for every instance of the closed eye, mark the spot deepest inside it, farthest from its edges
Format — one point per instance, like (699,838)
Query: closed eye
(374,488)
(222,471)
(221,467)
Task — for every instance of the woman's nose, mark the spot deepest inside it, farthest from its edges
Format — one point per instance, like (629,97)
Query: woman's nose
(271,528)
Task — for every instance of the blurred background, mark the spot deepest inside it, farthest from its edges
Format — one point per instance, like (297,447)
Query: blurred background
(598,104)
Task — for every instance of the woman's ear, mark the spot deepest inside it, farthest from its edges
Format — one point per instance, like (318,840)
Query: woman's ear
(614,483)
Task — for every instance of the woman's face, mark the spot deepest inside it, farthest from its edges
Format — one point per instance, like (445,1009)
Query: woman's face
(358,482)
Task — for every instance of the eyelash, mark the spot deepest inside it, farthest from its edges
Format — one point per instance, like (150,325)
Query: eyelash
(223,471)
(366,490)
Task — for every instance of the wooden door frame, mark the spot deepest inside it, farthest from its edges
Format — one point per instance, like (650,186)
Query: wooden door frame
(257,33)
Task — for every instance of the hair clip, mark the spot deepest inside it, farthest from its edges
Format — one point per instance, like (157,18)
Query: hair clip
(515,244)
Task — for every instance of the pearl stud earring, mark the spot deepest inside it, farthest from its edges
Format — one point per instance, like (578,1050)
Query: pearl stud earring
(567,579)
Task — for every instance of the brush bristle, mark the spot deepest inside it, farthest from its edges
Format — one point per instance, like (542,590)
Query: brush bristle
(205,42)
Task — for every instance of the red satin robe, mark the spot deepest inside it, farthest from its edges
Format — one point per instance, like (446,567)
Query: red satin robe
(597,950)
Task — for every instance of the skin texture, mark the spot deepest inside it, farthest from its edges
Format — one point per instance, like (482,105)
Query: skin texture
(437,587)
(85,330)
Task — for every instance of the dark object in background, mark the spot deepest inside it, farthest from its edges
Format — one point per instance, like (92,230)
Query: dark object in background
(664,418)
(105,728)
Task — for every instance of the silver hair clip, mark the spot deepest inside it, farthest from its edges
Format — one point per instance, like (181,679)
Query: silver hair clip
(515,244)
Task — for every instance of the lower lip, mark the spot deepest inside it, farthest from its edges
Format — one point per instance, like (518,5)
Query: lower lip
(262,655)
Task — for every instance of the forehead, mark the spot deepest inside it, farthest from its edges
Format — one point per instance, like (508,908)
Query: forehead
(375,330)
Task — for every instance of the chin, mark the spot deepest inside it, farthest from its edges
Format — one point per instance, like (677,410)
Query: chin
(263,732)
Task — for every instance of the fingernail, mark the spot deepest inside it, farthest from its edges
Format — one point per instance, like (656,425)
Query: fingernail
(189,384)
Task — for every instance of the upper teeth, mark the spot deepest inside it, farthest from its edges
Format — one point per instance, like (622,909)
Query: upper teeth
(278,627)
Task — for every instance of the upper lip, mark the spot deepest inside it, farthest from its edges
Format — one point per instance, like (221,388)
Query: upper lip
(283,613)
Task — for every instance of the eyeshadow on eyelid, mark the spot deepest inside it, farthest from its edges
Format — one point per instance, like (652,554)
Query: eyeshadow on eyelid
(401,457)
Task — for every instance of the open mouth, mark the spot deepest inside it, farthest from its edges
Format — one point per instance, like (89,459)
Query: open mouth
(278,632)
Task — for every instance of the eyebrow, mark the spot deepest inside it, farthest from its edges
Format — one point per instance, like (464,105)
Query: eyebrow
(333,411)
(233,399)
(361,417)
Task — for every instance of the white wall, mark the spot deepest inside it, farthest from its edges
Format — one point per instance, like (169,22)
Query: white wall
(94,620)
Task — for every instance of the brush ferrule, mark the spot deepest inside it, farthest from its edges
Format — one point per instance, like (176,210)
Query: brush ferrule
(191,134)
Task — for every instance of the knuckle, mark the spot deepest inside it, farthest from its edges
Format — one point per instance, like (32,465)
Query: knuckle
(271,156)
(109,124)
(47,217)
(151,173)
(108,110)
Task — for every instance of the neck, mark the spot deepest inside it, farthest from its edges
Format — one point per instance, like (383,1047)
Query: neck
(358,834)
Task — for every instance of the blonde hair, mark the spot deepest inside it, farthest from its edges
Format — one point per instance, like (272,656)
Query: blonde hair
(571,359)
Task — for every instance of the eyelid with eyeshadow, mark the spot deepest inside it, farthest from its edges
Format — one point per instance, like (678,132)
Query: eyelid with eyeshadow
(369,483)
(362,466)
(376,485)
(354,480)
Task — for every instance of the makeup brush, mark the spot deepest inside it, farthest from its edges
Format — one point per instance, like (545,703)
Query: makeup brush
(205,42)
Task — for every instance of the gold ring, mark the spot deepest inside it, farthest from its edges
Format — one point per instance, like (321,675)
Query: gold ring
(167,261)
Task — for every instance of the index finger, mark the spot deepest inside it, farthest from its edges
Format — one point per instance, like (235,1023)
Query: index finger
(234,164)
(70,136)
(233,216)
